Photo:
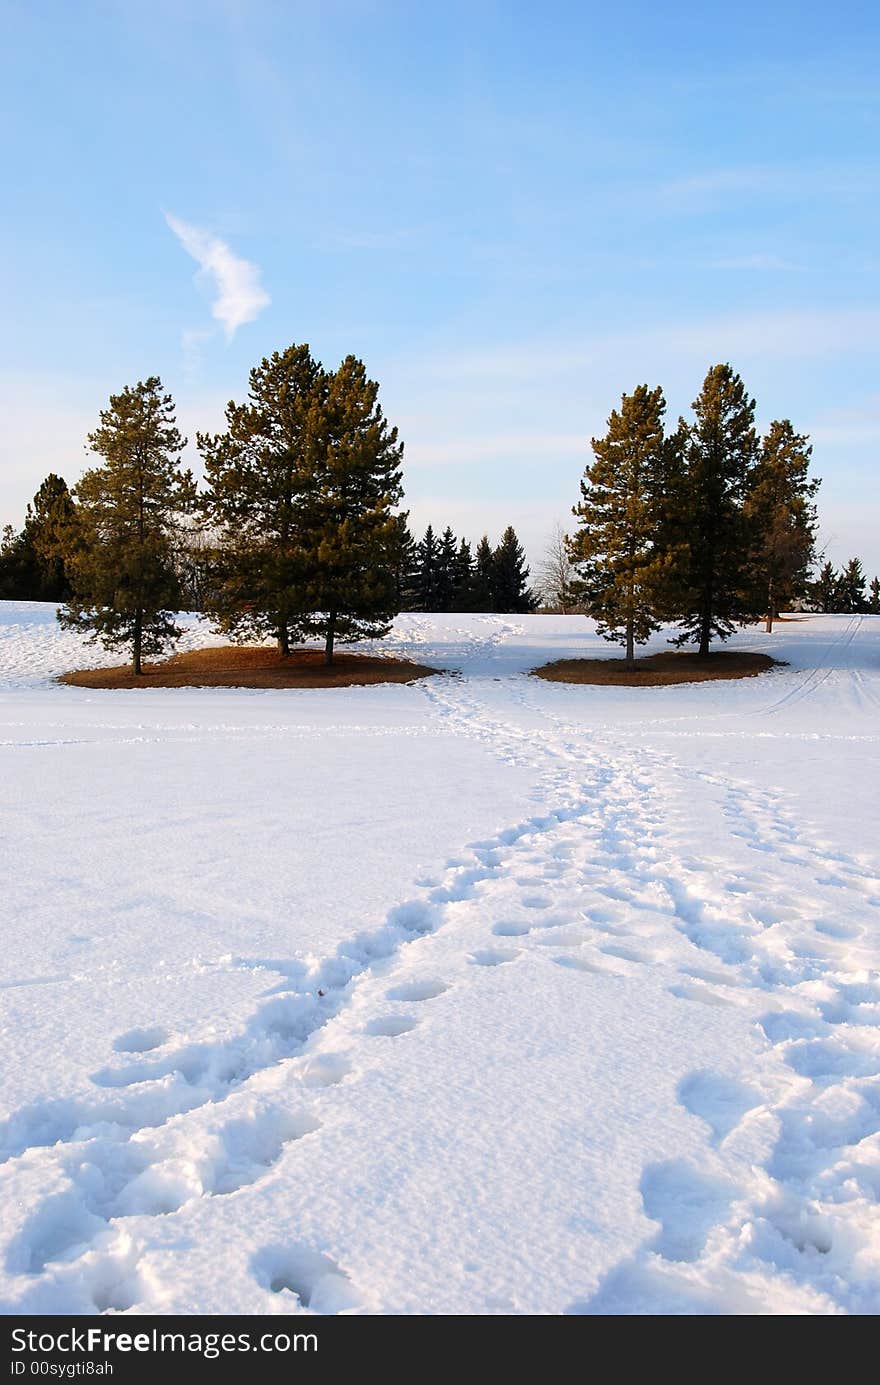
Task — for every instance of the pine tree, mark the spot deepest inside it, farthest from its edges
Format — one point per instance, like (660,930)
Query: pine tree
(616,548)
(32,562)
(348,531)
(510,589)
(119,554)
(447,570)
(712,586)
(874,597)
(825,589)
(48,524)
(405,571)
(462,596)
(851,588)
(781,511)
(258,474)
(483,579)
(427,556)
(18,574)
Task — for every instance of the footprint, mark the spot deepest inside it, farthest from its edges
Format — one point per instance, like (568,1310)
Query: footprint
(818,1058)
(714,978)
(417,990)
(140,1040)
(494,956)
(320,1285)
(717,1099)
(832,929)
(511,930)
(251,1147)
(686,1203)
(781,1026)
(325,1070)
(628,954)
(535,901)
(582,964)
(61,1226)
(391,1025)
(691,990)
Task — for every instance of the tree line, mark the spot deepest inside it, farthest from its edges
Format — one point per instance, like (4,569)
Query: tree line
(846,591)
(703,525)
(443,573)
(295,534)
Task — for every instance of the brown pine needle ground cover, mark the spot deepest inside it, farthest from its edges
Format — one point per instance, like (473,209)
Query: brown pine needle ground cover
(236,667)
(658,670)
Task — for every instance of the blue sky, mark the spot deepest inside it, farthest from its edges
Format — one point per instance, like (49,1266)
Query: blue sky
(511,211)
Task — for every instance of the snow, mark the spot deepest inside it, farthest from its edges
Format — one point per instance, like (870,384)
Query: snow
(478,995)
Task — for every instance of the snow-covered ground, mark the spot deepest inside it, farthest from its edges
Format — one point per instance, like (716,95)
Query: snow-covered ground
(480,995)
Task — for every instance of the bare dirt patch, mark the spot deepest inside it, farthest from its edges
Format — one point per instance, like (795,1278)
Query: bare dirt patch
(236,667)
(658,670)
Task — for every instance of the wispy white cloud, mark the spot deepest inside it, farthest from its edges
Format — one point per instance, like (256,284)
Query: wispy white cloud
(239,295)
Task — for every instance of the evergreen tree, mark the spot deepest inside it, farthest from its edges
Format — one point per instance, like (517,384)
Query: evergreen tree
(18,573)
(483,579)
(781,510)
(32,562)
(712,579)
(405,571)
(350,537)
(427,558)
(825,589)
(616,549)
(462,596)
(510,589)
(874,597)
(447,570)
(47,527)
(259,473)
(851,588)
(119,554)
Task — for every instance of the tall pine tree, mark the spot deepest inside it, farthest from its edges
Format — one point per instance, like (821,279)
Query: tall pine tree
(119,554)
(258,474)
(483,579)
(462,595)
(348,531)
(617,546)
(427,557)
(780,508)
(510,575)
(32,562)
(825,588)
(851,588)
(713,580)
(447,570)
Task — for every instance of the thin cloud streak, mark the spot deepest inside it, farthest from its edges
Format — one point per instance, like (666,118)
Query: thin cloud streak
(239,295)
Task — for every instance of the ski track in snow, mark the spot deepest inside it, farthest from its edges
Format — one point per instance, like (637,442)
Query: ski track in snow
(609,879)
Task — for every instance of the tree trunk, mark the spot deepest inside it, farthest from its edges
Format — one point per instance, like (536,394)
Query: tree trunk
(138,643)
(630,646)
(331,636)
(283,640)
(705,630)
(770,608)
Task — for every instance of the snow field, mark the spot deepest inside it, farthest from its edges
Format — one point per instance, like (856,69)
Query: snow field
(481,995)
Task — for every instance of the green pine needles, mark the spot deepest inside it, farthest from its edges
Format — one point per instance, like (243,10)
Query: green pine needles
(705,526)
(118,553)
(618,549)
(301,491)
